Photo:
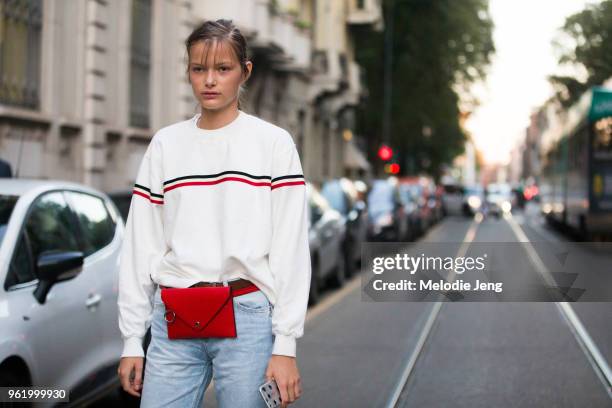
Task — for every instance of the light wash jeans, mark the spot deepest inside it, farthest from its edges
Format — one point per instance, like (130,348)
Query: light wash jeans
(177,372)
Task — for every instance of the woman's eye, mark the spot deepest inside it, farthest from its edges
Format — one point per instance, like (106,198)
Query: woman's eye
(196,69)
(223,69)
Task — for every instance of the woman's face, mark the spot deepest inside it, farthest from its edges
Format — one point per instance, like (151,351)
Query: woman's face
(215,74)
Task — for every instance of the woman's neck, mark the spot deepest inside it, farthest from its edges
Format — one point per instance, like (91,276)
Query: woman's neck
(214,119)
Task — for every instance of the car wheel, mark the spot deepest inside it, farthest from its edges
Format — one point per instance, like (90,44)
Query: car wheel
(349,261)
(340,272)
(313,295)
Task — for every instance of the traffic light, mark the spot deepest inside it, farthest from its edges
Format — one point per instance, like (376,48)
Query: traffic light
(385,153)
(392,168)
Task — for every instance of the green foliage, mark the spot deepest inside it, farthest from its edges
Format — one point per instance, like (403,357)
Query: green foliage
(440,48)
(585,43)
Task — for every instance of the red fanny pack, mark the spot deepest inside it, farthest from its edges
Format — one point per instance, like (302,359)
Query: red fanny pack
(201,311)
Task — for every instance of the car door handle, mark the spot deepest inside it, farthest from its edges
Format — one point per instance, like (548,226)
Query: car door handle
(93,300)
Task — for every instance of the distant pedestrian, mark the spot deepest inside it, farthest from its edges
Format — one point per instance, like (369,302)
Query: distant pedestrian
(5,169)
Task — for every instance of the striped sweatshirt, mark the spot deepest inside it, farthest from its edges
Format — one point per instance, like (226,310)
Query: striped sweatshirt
(211,205)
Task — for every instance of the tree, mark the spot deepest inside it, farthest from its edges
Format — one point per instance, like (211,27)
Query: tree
(584,43)
(440,48)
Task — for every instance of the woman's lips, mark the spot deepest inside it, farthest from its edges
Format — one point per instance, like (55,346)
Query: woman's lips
(211,95)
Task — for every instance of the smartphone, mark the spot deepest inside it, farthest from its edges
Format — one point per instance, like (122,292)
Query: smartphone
(270,393)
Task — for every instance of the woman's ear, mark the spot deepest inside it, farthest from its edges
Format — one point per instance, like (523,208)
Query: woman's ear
(249,68)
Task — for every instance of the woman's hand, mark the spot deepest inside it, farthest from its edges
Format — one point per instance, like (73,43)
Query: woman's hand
(283,369)
(130,373)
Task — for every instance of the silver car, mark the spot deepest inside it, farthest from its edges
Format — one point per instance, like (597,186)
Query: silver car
(59,258)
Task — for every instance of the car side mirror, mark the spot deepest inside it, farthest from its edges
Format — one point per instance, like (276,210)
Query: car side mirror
(53,267)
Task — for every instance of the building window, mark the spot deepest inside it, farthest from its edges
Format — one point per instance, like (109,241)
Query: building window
(20,27)
(360,4)
(140,63)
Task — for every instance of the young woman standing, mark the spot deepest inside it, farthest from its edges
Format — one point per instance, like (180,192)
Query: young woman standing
(218,198)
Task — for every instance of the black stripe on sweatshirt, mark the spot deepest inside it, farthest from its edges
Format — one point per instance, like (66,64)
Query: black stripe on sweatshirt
(148,190)
(206,176)
(275,179)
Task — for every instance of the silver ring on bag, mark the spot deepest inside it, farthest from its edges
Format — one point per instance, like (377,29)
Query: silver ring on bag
(166,316)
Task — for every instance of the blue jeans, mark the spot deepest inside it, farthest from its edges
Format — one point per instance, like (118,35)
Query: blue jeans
(177,372)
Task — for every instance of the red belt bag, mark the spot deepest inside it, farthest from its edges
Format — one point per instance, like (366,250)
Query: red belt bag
(201,312)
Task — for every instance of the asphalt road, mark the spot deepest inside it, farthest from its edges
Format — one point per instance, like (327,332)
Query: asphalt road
(510,354)
(355,353)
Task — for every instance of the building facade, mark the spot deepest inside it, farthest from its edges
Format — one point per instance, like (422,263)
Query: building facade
(84,84)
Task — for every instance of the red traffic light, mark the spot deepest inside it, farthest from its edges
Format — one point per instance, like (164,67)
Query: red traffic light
(392,168)
(385,152)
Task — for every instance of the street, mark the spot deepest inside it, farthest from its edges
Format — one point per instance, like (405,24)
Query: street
(356,354)
(477,354)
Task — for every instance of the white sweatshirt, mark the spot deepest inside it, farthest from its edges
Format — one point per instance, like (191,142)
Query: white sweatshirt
(210,205)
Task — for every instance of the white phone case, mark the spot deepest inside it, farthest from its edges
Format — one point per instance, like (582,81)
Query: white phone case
(270,393)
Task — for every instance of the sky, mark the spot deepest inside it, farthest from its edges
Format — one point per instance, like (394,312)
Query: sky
(517,84)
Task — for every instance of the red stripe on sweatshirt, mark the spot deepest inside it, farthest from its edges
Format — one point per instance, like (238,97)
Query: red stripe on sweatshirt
(292,183)
(210,183)
(147,197)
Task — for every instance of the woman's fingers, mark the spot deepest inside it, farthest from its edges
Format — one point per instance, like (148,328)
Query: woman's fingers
(284,395)
(297,389)
(127,366)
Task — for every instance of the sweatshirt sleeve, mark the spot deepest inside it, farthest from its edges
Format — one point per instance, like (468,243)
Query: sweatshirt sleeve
(289,251)
(142,248)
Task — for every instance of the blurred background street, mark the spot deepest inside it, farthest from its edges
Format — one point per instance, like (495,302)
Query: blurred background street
(417,122)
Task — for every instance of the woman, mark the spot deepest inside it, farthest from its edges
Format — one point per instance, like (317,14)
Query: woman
(218,198)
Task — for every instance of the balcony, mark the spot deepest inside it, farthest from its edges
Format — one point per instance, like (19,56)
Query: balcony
(365,12)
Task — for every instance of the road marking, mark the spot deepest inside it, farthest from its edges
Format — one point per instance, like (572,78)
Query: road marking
(334,298)
(431,318)
(586,343)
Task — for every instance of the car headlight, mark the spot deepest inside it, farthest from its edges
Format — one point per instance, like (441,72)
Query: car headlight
(384,221)
(506,206)
(474,202)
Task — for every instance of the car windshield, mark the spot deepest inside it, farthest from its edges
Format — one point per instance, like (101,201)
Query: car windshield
(380,198)
(7,203)
(473,190)
(499,190)
(453,189)
(334,194)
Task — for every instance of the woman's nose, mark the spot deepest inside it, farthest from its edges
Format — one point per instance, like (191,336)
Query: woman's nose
(210,78)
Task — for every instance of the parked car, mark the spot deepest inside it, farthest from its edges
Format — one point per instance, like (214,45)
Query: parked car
(437,200)
(420,188)
(452,199)
(122,200)
(411,195)
(61,242)
(473,199)
(343,197)
(387,219)
(327,232)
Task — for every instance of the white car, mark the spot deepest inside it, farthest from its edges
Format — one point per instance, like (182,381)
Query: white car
(59,263)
